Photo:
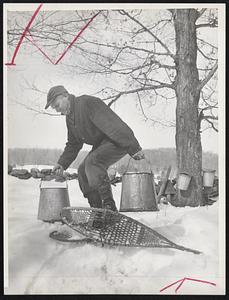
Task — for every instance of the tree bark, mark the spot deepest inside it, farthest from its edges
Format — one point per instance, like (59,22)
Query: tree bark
(188,140)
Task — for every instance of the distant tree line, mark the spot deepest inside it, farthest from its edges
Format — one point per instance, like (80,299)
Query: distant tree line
(38,156)
(156,160)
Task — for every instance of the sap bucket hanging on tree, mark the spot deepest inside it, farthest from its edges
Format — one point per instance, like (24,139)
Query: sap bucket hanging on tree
(183,181)
(53,197)
(138,191)
(208,178)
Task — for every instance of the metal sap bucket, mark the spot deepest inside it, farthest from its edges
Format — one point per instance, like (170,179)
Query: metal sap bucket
(208,178)
(53,197)
(138,192)
(183,181)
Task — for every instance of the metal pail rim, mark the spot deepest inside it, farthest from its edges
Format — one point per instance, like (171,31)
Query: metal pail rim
(53,187)
(209,171)
(131,173)
(185,173)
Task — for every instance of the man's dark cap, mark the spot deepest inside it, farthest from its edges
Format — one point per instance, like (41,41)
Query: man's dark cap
(54,92)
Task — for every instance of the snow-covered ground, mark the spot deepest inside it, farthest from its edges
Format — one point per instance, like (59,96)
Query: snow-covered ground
(40,265)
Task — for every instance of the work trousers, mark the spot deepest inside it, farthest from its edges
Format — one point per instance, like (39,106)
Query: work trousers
(93,170)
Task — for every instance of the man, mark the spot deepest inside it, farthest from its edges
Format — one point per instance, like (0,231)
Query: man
(89,120)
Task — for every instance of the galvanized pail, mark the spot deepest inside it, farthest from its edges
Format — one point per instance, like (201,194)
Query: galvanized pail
(183,181)
(208,178)
(138,192)
(53,197)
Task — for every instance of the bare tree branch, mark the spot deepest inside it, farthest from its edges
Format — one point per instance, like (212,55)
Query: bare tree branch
(139,100)
(205,56)
(147,30)
(152,87)
(139,56)
(209,117)
(150,119)
(207,25)
(165,21)
(35,110)
(212,125)
(201,12)
(207,101)
(209,76)
(205,42)
(115,46)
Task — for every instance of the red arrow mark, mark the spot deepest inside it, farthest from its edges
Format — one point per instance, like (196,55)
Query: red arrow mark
(23,35)
(32,41)
(183,280)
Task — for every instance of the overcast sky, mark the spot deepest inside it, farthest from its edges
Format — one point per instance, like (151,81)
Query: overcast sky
(28,129)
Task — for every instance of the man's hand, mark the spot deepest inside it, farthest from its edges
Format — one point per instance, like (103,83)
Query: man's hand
(58,170)
(139,155)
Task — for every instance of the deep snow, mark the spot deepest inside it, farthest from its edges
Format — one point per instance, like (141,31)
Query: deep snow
(40,265)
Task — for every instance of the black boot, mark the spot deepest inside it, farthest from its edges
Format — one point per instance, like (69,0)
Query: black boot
(105,193)
(94,199)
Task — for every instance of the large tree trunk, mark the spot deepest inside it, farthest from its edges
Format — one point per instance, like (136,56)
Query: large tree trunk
(188,141)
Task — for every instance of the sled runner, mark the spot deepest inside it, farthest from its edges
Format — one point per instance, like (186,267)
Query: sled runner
(107,227)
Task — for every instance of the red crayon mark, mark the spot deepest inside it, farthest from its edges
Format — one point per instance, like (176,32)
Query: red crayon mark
(76,37)
(33,42)
(183,280)
(23,35)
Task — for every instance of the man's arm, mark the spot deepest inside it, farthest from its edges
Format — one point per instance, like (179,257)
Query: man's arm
(71,151)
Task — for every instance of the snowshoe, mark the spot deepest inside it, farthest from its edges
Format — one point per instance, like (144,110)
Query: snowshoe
(66,236)
(115,229)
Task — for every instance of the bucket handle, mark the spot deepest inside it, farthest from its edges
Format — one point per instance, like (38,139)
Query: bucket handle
(146,160)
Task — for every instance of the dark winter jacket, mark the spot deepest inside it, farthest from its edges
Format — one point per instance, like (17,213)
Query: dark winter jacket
(91,121)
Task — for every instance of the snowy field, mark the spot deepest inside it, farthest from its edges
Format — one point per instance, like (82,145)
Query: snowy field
(40,265)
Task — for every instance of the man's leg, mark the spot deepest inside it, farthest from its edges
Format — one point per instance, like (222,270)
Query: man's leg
(96,165)
(92,195)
